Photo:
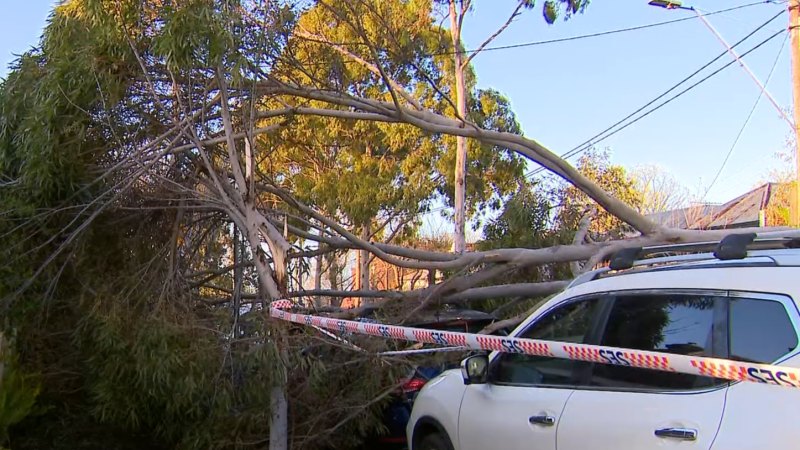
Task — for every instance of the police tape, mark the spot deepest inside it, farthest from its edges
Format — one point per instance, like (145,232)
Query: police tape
(666,362)
(424,350)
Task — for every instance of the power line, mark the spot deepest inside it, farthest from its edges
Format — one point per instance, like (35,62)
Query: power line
(589,143)
(776,34)
(605,33)
(592,141)
(603,135)
(551,41)
(749,116)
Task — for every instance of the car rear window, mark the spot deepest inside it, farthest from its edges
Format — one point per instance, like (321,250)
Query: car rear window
(760,330)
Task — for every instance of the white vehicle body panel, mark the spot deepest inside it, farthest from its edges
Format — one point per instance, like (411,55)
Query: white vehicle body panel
(612,420)
(736,416)
(507,409)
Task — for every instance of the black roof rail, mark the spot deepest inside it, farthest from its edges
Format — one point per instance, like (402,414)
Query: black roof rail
(625,258)
(733,246)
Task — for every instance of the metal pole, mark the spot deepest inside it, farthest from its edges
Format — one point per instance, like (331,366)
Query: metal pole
(745,67)
(794,39)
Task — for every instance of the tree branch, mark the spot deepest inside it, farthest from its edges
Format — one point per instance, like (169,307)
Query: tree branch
(514,321)
(393,84)
(580,236)
(436,123)
(496,33)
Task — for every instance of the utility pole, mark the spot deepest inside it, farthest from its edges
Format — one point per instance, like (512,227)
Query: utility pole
(794,39)
(460,176)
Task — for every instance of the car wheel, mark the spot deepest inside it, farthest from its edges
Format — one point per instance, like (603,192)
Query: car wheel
(434,441)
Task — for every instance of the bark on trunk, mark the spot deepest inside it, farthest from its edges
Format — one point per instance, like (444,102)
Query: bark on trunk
(363,265)
(279,416)
(238,255)
(2,358)
(459,237)
(318,280)
(333,278)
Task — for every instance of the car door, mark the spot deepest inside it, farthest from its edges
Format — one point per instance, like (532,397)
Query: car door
(762,416)
(521,405)
(622,407)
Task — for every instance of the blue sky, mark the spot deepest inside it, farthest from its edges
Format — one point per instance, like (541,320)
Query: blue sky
(20,28)
(565,93)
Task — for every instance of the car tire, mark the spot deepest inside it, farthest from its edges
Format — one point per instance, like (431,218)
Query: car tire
(434,441)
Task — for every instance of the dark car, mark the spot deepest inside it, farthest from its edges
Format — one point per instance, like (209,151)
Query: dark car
(397,413)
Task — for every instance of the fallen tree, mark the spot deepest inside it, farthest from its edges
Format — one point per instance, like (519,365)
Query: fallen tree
(140,157)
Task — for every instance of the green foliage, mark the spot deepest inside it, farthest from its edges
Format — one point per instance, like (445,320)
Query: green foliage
(539,216)
(527,221)
(611,178)
(343,384)
(195,32)
(358,170)
(97,266)
(778,211)
(18,390)
(493,172)
(553,9)
(130,359)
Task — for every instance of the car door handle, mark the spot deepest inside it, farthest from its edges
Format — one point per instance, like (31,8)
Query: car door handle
(686,434)
(542,420)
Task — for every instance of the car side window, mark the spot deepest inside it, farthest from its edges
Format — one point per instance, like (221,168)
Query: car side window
(681,324)
(760,330)
(569,322)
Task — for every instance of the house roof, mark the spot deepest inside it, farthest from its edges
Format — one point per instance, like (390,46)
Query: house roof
(685,218)
(743,211)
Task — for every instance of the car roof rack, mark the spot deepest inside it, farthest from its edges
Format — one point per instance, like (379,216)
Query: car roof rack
(732,247)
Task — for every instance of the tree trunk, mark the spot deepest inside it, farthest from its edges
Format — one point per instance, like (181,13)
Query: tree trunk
(268,286)
(318,280)
(398,277)
(333,277)
(460,200)
(238,258)
(299,265)
(363,265)
(794,39)
(271,290)
(279,414)
(2,358)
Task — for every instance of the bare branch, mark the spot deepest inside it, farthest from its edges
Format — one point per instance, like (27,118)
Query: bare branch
(508,290)
(393,84)
(357,293)
(364,245)
(436,123)
(514,321)
(580,236)
(496,33)
(233,156)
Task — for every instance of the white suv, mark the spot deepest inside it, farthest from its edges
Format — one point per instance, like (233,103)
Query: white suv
(742,308)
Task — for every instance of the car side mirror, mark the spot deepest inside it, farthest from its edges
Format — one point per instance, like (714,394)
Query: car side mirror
(475,369)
